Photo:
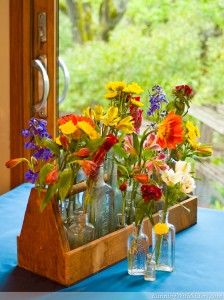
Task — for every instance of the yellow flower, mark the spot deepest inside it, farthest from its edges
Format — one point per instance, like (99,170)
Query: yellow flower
(133,88)
(89,130)
(116,85)
(68,128)
(126,125)
(192,134)
(111,118)
(110,95)
(203,150)
(89,113)
(57,140)
(161,228)
(98,111)
(137,103)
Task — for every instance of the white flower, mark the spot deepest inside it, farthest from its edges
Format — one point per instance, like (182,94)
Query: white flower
(170,177)
(182,167)
(188,184)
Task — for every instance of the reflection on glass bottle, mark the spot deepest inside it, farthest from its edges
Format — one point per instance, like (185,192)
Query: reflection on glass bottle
(137,251)
(163,243)
(81,231)
(101,205)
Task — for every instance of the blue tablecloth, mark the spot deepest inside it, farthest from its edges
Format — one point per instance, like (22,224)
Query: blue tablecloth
(199,258)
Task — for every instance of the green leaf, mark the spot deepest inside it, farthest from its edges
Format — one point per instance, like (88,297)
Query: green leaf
(136,142)
(123,170)
(49,195)
(44,171)
(119,151)
(65,182)
(51,145)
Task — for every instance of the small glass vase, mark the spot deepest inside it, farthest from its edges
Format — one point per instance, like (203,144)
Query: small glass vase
(101,205)
(150,268)
(81,231)
(163,244)
(137,250)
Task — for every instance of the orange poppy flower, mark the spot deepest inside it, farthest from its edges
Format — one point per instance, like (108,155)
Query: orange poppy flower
(83,153)
(170,131)
(88,166)
(142,178)
(75,119)
(52,176)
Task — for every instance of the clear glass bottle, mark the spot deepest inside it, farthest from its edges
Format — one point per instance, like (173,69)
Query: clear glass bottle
(121,221)
(81,231)
(101,207)
(163,245)
(150,268)
(110,168)
(137,251)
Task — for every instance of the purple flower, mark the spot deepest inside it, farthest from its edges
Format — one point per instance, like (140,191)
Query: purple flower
(43,153)
(156,99)
(37,127)
(30,145)
(31,176)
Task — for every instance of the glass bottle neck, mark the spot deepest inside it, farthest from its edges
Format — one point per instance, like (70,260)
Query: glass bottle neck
(100,177)
(81,217)
(163,216)
(137,229)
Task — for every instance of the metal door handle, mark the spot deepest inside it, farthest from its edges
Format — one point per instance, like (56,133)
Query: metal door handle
(65,72)
(41,105)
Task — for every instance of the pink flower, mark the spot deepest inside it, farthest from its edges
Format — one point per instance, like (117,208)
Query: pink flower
(151,142)
(128,145)
(158,164)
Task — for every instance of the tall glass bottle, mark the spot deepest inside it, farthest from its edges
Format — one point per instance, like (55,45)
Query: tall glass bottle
(81,231)
(101,205)
(137,251)
(163,243)
(110,168)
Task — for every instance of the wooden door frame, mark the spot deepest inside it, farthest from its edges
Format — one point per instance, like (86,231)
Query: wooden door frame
(23,49)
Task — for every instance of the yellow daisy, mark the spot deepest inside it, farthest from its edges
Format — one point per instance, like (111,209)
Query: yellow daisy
(137,103)
(68,128)
(116,85)
(161,228)
(133,88)
(110,95)
(89,130)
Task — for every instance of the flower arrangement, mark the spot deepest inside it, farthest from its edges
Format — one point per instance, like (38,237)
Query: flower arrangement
(153,159)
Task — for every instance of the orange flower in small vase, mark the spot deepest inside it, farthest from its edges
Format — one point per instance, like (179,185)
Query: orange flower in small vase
(170,131)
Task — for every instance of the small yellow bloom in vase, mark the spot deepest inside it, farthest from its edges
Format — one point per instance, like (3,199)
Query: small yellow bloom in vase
(161,228)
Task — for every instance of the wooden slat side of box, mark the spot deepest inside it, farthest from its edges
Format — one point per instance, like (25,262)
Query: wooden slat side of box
(42,244)
(101,253)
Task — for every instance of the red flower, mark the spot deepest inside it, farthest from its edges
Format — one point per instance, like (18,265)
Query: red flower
(14,162)
(64,141)
(75,119)
(66,118)
(52,176)
(108,143)
(123,186)
(142,178)
(170,131)
(185,89)
(89,167)
(136,114)
(150,192)
(83,153)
